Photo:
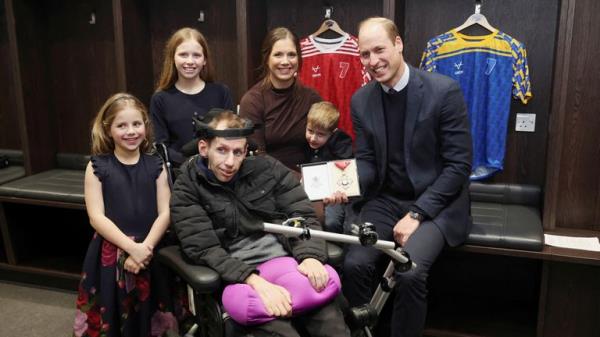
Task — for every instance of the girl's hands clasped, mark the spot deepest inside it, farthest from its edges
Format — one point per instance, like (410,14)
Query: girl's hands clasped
(131,266)
(141,253)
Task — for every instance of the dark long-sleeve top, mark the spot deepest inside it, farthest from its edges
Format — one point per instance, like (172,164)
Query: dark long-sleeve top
(171,112)
(282,113)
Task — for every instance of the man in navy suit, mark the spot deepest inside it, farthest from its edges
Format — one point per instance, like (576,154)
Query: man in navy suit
(413,148)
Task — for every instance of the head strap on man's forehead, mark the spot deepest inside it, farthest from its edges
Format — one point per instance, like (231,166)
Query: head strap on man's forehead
(204,131)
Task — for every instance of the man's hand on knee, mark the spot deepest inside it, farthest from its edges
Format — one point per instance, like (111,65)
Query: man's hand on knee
(316,273)
(404,229)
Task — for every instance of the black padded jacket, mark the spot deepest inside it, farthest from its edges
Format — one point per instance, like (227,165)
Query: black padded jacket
(208,216)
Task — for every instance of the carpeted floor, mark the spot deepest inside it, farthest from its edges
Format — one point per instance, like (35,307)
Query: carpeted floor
(31,311)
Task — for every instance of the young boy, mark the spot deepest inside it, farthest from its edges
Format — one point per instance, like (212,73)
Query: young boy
(325,143)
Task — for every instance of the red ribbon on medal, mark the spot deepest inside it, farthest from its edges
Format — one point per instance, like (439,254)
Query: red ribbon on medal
(342,164)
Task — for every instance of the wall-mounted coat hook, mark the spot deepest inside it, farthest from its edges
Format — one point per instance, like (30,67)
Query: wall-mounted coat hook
(92,20)
(328,12)
(201,16)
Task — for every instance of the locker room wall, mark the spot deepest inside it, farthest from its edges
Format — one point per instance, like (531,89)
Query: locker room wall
(57,81)
(54,83)
(9,137)
(572,183)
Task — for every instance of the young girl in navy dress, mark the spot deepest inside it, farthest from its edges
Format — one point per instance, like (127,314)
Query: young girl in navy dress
(127,200)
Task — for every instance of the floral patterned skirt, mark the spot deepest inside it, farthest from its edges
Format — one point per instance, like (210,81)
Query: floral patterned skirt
(114,302)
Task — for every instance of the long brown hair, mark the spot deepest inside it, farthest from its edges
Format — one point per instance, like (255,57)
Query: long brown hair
(274,35)
(168,75)
(102,143)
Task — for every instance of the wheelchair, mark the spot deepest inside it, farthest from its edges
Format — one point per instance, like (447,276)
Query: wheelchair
(204,284)
(204,292)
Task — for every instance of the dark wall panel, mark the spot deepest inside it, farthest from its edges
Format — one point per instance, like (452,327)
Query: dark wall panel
(9,130)
(252,27)
(305,17)
(137,49)
(572,307)
(535,24)
(460,300)
(39,115)
(219,28)
(579,187)
(81,62)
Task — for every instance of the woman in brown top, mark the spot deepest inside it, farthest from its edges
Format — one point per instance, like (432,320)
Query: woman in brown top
(279,102)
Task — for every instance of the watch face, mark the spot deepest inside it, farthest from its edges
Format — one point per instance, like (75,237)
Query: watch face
(416,216)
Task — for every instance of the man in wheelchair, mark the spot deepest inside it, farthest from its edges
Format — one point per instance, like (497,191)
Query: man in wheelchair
(218,206)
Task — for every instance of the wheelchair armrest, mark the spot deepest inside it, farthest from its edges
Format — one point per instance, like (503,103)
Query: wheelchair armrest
(204,279)
(201,278)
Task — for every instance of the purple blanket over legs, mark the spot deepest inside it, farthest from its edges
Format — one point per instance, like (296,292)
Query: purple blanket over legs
(245,306)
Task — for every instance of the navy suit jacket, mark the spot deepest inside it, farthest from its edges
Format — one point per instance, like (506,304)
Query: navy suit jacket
(437,148)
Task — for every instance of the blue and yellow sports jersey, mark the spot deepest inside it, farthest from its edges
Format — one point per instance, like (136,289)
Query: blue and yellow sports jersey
(488,69)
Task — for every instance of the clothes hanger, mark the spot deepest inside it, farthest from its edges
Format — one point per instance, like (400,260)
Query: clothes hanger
(476,18)
(329,25)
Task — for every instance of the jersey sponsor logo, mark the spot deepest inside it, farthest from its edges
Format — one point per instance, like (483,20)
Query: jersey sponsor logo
(316,71)
(458,66)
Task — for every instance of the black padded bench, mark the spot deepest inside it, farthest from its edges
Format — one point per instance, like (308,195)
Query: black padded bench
(15,169)
(506,216)
(61,187)
(45,256)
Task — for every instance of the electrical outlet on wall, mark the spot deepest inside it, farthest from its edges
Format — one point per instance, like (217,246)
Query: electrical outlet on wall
(525,122)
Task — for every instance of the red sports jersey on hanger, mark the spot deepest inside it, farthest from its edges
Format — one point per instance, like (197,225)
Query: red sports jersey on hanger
(333,68)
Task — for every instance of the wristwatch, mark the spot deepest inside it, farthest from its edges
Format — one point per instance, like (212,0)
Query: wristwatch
(417,216)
